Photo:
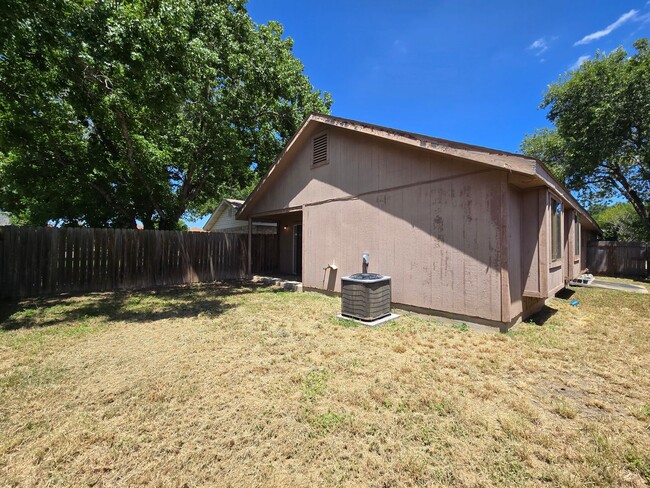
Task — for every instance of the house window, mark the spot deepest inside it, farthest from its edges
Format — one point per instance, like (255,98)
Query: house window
(556,230)
(576,230)
(320,154)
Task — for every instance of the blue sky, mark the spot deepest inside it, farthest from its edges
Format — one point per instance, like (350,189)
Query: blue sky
(469,71)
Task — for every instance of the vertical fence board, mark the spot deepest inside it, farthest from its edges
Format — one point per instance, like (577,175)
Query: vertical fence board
(3,261)
(67,259)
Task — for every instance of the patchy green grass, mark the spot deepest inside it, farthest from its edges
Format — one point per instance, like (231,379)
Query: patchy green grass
(314,384)
(245,386)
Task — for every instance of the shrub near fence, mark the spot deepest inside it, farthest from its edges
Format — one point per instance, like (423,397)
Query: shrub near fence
(41,261)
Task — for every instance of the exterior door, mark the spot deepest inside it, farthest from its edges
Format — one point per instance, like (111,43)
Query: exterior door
(297,249)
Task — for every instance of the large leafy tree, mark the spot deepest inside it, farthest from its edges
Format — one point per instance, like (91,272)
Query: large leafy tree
(601,113)
(620,222)
(117,111)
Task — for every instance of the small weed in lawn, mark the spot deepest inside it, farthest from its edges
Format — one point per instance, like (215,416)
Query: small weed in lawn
(639,464)
(347,322)
(325,423)
(314,384)
(565,409)
(462,326)
(643,413)
(356,363)
(443,407)
(508,470)
(426,434)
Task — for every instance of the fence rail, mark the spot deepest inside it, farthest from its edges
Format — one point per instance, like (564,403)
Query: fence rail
(613,258)
(41,261)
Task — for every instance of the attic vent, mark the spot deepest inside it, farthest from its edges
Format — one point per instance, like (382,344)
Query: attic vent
(320,149)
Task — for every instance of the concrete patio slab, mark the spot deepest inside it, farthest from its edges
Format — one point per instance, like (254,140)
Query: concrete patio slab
(613,285)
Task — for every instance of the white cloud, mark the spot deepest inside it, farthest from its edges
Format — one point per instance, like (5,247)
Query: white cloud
(608,30)
(578,62)
(644,19)
(539,46)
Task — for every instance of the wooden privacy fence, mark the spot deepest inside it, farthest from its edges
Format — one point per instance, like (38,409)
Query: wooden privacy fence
(41,261)
(615,258)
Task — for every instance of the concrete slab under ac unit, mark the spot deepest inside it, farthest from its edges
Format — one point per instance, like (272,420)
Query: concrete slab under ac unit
(380,321)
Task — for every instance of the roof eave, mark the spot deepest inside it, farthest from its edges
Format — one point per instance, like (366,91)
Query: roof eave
(517,163)
(243,212)
(549,179)
(491,157)
(478,154)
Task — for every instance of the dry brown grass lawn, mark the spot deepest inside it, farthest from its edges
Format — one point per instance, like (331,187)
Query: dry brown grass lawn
(237,386)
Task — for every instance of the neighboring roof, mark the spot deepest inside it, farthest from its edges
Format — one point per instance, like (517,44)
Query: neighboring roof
(517,163)
(225,203)
(195,229)
(236,204)
(4,218)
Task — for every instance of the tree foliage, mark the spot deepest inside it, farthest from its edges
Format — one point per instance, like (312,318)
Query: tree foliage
(112,111)
(547,145)
(601,113)
(620,222)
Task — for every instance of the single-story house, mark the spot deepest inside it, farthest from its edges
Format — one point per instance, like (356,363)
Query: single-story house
(464,231)
(223,220)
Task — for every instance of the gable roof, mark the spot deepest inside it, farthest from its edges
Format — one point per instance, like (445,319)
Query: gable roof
(225,203)
(515,163)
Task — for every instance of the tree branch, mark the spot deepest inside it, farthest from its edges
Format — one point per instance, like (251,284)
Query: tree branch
(120,209)
(631,194)
(129,157)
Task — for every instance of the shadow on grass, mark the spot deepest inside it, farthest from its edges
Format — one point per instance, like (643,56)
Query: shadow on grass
(546,312)
(565,293)
(132,305)
(540,318)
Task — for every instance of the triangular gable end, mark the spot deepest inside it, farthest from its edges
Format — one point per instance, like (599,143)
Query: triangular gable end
(515,163)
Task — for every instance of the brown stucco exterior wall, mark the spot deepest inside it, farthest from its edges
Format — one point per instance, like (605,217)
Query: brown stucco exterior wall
(432,223)
(543,277)
(455,236)
(440,249)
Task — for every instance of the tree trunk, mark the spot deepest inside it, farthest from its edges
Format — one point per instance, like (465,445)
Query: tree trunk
(631,195)
(170,222)
(147,222)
